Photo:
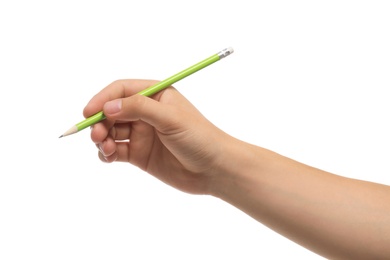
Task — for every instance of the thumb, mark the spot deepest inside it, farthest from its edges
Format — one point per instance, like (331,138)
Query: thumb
(138,107)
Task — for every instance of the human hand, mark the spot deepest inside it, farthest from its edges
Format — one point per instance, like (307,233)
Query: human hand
(164,135)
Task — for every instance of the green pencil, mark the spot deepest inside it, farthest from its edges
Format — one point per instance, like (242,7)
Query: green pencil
(154,89)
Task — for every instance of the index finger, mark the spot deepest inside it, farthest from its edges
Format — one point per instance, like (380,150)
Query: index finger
(115,90)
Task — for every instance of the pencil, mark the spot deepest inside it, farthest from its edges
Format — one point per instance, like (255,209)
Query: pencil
(154,89)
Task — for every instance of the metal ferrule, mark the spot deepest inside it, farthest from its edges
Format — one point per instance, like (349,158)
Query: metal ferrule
(225,52)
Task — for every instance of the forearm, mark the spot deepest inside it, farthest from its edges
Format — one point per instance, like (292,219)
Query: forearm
(328,214)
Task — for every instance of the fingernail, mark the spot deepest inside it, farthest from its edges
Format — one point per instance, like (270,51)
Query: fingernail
(113,107)
(101,149)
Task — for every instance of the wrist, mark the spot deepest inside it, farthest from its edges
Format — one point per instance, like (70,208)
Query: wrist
(239,165)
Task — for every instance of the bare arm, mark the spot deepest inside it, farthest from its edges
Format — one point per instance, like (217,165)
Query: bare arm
(167,137)
(331,215)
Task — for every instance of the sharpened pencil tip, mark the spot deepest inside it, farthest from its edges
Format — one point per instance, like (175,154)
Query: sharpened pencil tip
(72,130)
(61,136)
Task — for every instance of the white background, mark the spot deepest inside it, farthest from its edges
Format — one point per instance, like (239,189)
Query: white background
(308,79)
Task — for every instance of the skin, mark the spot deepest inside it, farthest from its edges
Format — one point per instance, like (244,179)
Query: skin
(166,136)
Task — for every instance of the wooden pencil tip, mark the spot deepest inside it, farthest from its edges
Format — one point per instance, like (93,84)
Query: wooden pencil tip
(61,136)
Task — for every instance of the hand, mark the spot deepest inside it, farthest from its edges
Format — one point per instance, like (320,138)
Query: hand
(164,135)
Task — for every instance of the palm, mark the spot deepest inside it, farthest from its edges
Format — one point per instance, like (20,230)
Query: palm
(163,157)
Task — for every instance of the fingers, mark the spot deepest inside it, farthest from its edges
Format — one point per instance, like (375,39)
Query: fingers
(134,151)
(115,90)
(121,154)
(136,118)
(106,140)
(107,150)
(118,131)
(105,133)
